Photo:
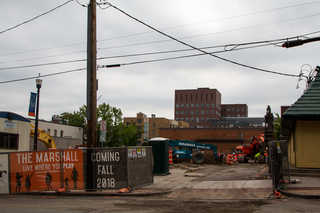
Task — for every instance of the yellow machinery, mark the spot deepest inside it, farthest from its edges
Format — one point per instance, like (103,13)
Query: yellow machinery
(44,137)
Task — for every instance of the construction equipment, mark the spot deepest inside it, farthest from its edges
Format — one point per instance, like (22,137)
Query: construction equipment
(192,150)
(44,137)
(247,152)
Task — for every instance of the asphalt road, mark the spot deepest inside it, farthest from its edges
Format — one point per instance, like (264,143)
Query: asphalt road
(82,204)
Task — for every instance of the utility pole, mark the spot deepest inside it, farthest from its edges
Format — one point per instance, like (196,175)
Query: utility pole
(92,76)
(91,91)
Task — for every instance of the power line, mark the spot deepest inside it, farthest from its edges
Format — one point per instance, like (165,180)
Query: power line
(179,27)
(35,17)
(52,74)
(186,44)
(151,53)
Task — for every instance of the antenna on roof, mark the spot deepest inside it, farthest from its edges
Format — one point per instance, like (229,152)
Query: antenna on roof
(309,78)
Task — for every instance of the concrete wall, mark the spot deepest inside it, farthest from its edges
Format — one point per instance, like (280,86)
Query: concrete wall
(61,143)
(308,144)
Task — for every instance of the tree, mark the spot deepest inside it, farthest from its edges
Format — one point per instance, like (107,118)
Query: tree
(117,133)
(277,127)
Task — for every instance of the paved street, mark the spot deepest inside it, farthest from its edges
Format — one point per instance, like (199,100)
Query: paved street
(189,188)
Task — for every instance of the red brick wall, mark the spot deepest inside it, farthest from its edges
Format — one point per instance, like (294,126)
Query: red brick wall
(225,139)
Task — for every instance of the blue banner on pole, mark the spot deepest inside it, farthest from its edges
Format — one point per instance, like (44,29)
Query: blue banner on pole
(32,104)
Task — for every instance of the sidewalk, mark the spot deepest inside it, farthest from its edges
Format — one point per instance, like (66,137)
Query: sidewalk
(304,187)
(179,184)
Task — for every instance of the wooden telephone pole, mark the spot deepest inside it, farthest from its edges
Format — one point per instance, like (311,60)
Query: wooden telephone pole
(92,76)
(91,91)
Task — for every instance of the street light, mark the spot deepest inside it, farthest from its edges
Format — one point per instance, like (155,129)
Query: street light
(38,83)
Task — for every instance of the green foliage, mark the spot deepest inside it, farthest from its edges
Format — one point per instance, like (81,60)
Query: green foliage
(277,127)
(145,144)
(117,133)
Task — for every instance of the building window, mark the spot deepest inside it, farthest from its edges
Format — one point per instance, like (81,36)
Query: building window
(211,96)
(202,112)
(207,112)
(154,124)
(187,112)
(197,120)
(49,130)
(228,110)
(182,112)
(212,112)
(192,112)
(182,119)
(181,97)
(139,121)
(192,105)
(207,120)
(192,120)
(232,109)
(177,112)
(61,133)
(182,105)
(139,128)
(154,132)
(9,141)
(212,105)
(206,96)
(146,128)
(197,112)
(208,105)
(55,133)
(202,105)
(197,105)
(202,120)
(187,105)
(138,135)
(177,119)
(196,97)
(191,97)
(201,96)
(240,136)
(243,110)
(187,120)
(177,105)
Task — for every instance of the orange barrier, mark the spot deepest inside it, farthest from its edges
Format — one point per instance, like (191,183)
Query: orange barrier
(235,158)
(170,157)
(230,159)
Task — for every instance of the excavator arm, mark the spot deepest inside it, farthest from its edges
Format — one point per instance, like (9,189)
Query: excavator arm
(44,137)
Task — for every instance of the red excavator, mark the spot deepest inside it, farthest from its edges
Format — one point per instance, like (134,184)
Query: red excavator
(247,152)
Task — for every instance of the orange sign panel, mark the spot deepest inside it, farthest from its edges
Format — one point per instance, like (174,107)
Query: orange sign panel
(46,170)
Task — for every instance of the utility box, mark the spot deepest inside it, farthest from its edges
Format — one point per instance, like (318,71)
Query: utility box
(160,150)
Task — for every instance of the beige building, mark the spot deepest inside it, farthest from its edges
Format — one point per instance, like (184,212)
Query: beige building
(300,124)
(14,132)
(150,126)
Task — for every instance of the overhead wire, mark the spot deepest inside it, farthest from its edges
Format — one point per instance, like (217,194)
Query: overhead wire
(139,54)
(186,44)
(241,15)
(47,75)
(25,22)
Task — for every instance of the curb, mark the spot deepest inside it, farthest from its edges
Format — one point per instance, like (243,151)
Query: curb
(132,194)
(290,194)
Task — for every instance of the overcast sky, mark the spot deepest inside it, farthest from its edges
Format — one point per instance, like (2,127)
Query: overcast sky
(149,87)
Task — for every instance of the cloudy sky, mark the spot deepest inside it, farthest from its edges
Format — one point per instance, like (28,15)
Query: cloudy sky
(147,86)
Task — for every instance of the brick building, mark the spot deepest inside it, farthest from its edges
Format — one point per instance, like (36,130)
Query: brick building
(199,107)
(150,126)
(234,110)
(226,139)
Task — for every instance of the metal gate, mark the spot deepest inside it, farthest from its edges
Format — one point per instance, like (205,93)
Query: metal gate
(279,163)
